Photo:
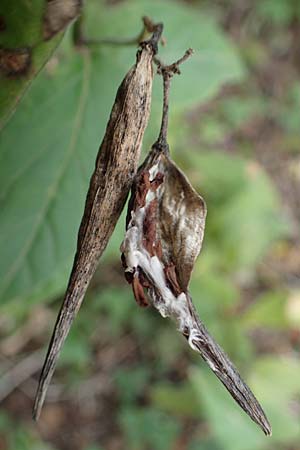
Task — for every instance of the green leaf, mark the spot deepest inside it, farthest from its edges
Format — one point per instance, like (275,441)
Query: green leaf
(49,147)
(244,216)
(76,351)
(238,110)
(215,294)
(21,41)
(230,426)
(268,311)
(216,298)
(118,305)
(254,219)
(166,345)
(213,63)
(176,399)
(131,382)
(204,443)
(276,382)
(217,175)
(287,112)
(93,447)
(36,195)
(148,428)
(20,435)
(277,12)
(276,385)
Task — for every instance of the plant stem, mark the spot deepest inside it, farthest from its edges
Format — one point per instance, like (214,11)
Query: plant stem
(167,72)
(162,141)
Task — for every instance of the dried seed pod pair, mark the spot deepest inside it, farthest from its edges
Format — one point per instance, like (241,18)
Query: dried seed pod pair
(165,228)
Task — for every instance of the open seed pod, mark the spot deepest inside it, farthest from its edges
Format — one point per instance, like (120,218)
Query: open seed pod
(165,228)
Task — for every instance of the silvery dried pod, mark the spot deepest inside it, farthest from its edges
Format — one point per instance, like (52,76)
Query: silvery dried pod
(164,233)
(110,183)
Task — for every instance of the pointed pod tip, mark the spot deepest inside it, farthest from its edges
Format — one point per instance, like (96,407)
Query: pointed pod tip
(201,341)
(266,427)
(261,419)
(36,413)
(35,418)
(38,404)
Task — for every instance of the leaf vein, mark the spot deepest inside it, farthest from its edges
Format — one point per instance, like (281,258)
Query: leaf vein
(54,189)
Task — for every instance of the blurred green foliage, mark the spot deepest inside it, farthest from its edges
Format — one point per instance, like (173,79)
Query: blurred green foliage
(148,428)
(277,12)
(17,435)
(160,396)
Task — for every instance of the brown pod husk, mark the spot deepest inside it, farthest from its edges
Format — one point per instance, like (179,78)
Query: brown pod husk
(165,229)
(165,224)
(110,183)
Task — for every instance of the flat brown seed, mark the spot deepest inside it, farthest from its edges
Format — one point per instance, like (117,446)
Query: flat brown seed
(115,169)
(149,227)
(138,292)
(171,278)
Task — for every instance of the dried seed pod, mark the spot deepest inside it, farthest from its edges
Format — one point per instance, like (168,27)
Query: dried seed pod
(110,183)
(165,228)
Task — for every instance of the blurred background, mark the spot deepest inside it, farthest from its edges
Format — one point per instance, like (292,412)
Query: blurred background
(126,379)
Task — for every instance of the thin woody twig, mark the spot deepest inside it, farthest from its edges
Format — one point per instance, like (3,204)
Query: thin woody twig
(174,67)
(167,71)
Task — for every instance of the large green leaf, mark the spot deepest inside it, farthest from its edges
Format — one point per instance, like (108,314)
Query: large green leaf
(49,147)
(23,50)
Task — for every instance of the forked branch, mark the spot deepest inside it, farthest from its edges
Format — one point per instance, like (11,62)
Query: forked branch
(167,72)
